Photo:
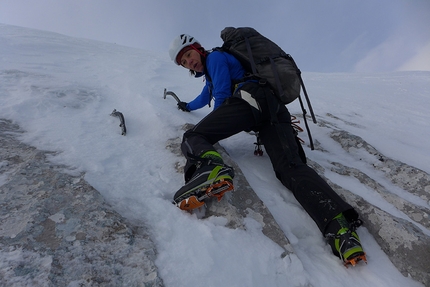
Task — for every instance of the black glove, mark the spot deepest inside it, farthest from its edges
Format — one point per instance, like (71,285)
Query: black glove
(183,106)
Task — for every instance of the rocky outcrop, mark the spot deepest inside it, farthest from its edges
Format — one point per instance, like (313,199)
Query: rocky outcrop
(404,236)
(57,230)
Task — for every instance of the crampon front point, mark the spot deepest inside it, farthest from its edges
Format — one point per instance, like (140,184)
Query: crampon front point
(217,190)
(353,260)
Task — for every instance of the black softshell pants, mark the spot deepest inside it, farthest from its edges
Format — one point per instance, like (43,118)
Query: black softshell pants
(240,113)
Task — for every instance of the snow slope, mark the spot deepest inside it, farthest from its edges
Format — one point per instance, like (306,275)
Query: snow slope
(61,90)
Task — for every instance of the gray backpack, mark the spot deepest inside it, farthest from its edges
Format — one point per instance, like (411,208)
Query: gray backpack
(265,60)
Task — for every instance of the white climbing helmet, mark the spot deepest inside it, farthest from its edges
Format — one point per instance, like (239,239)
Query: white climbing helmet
(180,43)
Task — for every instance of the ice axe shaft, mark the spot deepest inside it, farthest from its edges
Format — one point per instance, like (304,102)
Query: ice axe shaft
(166,92)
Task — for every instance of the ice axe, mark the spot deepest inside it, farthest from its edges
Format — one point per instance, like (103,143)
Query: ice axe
(166,92)
(115,113)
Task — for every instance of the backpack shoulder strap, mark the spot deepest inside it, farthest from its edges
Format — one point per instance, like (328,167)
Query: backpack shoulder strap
(251,58)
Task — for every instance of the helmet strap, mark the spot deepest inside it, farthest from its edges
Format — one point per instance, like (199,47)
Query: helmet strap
(198,50)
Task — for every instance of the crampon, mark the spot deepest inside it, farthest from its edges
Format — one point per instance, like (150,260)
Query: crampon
(217,189)
(354,259)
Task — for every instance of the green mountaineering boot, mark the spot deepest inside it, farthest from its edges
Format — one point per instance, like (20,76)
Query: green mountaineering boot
(344,241)
(212,178)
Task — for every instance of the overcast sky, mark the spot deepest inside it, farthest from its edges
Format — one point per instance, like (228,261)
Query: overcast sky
(322,36)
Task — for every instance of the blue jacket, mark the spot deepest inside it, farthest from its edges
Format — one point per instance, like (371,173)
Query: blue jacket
(222,69)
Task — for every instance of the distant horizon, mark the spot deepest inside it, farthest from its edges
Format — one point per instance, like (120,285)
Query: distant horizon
(369,36)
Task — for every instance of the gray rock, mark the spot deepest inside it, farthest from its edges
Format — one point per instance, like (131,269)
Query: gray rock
(57,230)
(405,241)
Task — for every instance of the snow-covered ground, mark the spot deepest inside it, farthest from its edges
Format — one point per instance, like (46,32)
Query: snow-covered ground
(61,91)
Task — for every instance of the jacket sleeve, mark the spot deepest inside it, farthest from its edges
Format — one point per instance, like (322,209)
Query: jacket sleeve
(201,100)
(222,70)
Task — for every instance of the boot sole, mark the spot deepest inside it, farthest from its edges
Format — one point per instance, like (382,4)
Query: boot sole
(217,190)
